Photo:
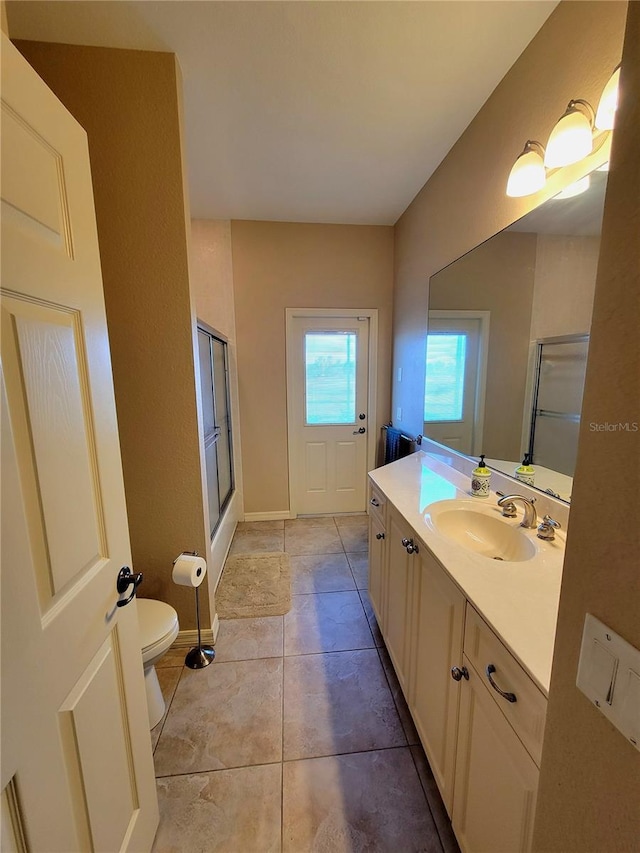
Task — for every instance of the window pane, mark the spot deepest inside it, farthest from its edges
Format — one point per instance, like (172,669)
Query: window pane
(220,381)
(330,377)
(444,388)
(211,461)
(224,465)
(206,382)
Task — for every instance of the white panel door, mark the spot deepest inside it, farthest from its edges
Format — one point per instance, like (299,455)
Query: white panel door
(328,366)
(77,771)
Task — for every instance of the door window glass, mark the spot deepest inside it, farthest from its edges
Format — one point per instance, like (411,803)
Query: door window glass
(444,389)
(330,377)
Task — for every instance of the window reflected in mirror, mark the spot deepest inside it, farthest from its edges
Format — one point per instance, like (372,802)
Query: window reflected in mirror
(519,389)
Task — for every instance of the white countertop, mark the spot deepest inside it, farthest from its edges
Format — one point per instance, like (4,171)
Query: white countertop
(519,600)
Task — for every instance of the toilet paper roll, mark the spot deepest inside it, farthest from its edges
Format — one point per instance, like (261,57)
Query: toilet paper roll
(189,570)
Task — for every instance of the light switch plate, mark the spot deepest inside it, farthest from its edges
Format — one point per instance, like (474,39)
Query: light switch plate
(609,675)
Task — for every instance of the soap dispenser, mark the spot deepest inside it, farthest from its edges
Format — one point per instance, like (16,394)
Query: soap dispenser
(526,473)
(480,480)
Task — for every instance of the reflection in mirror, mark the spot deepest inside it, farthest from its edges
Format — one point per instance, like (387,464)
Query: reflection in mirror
(508,336)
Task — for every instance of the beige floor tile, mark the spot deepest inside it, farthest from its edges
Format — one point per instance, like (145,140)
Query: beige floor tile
(368,801)
(398,697)
(248,639)
(360,567)
(309,521)
(228,811)
(260,525)
(257,541)
(324,699)
(168,678)
(361,520)
(327,622)
(174,657)
(320,573)
(432,793)
(354,538)
(312,540)
(371,617)
(227,715)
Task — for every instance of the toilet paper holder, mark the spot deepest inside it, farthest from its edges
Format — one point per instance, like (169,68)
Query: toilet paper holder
(200,656)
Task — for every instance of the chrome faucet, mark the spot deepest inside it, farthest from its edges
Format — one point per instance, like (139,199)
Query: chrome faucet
(547,530)
(530,515)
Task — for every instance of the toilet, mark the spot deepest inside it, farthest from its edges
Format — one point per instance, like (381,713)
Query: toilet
(158,629)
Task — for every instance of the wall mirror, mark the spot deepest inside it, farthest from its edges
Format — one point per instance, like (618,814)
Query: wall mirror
(507,339)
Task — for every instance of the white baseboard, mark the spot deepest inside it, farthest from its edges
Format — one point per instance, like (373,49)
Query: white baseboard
(268,516)
(189,638)
(215,628)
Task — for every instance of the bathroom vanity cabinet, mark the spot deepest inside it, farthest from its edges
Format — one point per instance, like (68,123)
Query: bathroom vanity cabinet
(484,750)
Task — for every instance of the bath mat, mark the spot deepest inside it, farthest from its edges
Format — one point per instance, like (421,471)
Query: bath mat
(254,585)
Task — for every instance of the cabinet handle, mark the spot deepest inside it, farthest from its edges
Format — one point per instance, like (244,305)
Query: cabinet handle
(458,674)
(374,502)
(510,697)
(379,535)
(410,546)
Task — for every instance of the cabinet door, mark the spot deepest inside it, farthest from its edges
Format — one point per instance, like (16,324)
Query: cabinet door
(400,568)
(434,695)
(496,779)
(377,585)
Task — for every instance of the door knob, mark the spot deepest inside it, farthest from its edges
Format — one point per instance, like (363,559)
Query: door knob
(125,579)
(379,535)
(458,674)
(361,430)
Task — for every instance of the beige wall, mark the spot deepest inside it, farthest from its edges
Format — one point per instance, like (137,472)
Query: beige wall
(128,102)
(497,276)
(589,793)
(464,202)
(212,285)
(565,282)
(283,265)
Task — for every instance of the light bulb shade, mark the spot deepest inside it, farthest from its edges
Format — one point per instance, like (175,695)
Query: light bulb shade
(527,175)
(571,139)
(574,189)
(605,116)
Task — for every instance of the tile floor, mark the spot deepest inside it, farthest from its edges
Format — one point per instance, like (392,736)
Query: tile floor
(297,738)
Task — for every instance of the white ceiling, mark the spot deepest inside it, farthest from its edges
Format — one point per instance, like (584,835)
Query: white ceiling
(320,111)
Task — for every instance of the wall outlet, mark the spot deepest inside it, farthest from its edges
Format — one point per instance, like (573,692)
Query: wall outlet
(399,413)
(399,374)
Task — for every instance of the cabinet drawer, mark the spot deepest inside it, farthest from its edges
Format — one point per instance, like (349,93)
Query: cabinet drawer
(376,504)
(527,714)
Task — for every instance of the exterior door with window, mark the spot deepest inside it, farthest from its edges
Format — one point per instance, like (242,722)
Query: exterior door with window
(451,386)
(328,365)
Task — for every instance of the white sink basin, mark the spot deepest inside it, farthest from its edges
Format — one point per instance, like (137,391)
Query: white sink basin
(481,529)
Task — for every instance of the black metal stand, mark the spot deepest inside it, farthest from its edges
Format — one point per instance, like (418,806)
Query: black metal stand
(200,656)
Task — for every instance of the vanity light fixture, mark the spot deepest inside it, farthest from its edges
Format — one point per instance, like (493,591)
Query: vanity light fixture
(572,138)
(527,174)
(606,112)
(574,189)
